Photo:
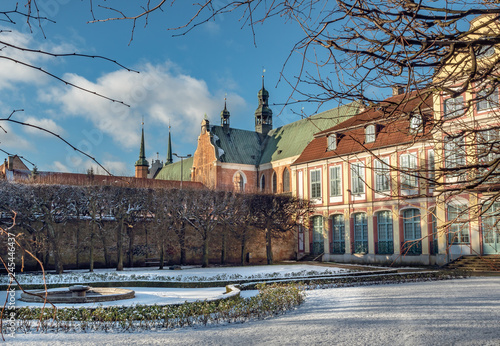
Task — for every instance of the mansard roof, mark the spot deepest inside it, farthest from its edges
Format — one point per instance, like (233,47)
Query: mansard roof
(291,139)
(392,117)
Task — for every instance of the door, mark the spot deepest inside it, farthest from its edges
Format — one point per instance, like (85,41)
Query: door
(318,238)
(491,230)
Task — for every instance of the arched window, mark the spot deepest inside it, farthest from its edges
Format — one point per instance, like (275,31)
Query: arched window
(318,238)
(384,230)
(239,182)
(275,183)
(412,235)
(286,180)
(338,235)
(360,233)
(262,183)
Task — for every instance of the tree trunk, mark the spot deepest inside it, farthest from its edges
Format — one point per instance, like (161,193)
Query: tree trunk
(107,260)
(162,252)
(204,262)
(55,247)
(223,255)
(182,242)
(269,249)
(130,231)
(243,251)
(77,247)
(92,232)
(119,246)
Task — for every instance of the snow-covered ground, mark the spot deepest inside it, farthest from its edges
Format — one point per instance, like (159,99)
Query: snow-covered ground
(143,296)
(188,274)
(450,312)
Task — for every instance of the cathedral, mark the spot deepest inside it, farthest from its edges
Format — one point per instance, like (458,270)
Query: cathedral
(256,160)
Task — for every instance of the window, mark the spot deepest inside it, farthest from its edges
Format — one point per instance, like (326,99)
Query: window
(239,182)
(370,134)
(316,183)
(431,167)
(286,180)
(487,148)
(338,235)
(358,178)
(416,123)
(459,228)
(384,230)
(487,99)
(454,152)
(485,50)
(411,229)
(336,181)
(360,233)
(408,166)
(262,182)
(454,107)
(275,183)
(318,237)
(382,174)
(332,142)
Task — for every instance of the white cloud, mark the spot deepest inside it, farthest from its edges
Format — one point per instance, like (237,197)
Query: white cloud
(44,123)
(10,141)
(158,93)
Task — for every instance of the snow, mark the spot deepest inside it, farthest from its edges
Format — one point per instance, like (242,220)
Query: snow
(188,274)
(450,312)
(143,296)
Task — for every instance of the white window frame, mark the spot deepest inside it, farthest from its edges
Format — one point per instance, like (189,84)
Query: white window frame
(370,133)
(408,163)
(453,107)
(335,181)
(459,230)
(332,142)
(382,174)
(489,102)
(358,178)
(416,122)
(315,185)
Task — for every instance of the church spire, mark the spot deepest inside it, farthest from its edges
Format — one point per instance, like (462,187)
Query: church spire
(169,149)
(224,115)
(263,114)
(142,165)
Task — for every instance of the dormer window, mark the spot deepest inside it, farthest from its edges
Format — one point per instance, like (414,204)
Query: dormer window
(485,51)
(370,134)
(416,123)
(332,142)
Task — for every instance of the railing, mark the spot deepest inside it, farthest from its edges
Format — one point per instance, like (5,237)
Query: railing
(317,248)
(360,246)
(385,247)
(411,247)
(337,247)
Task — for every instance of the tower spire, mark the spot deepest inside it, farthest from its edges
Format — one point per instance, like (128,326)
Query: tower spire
(224,115)
(263,114)
(169,159)
(142,165)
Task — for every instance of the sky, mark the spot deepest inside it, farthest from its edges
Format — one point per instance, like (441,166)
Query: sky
(180,80)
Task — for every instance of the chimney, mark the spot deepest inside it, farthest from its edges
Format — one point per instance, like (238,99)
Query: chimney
(10,163)
(397,90)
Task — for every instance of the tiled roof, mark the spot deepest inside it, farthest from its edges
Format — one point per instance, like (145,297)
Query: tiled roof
(291,139)
(236,146)
(173,171)
(393,129)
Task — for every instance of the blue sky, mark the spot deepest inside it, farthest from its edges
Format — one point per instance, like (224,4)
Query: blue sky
(181,79)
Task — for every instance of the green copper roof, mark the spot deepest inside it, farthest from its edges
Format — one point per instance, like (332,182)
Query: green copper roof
(142,156)
(236,146)
(290,140)
(173,171)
